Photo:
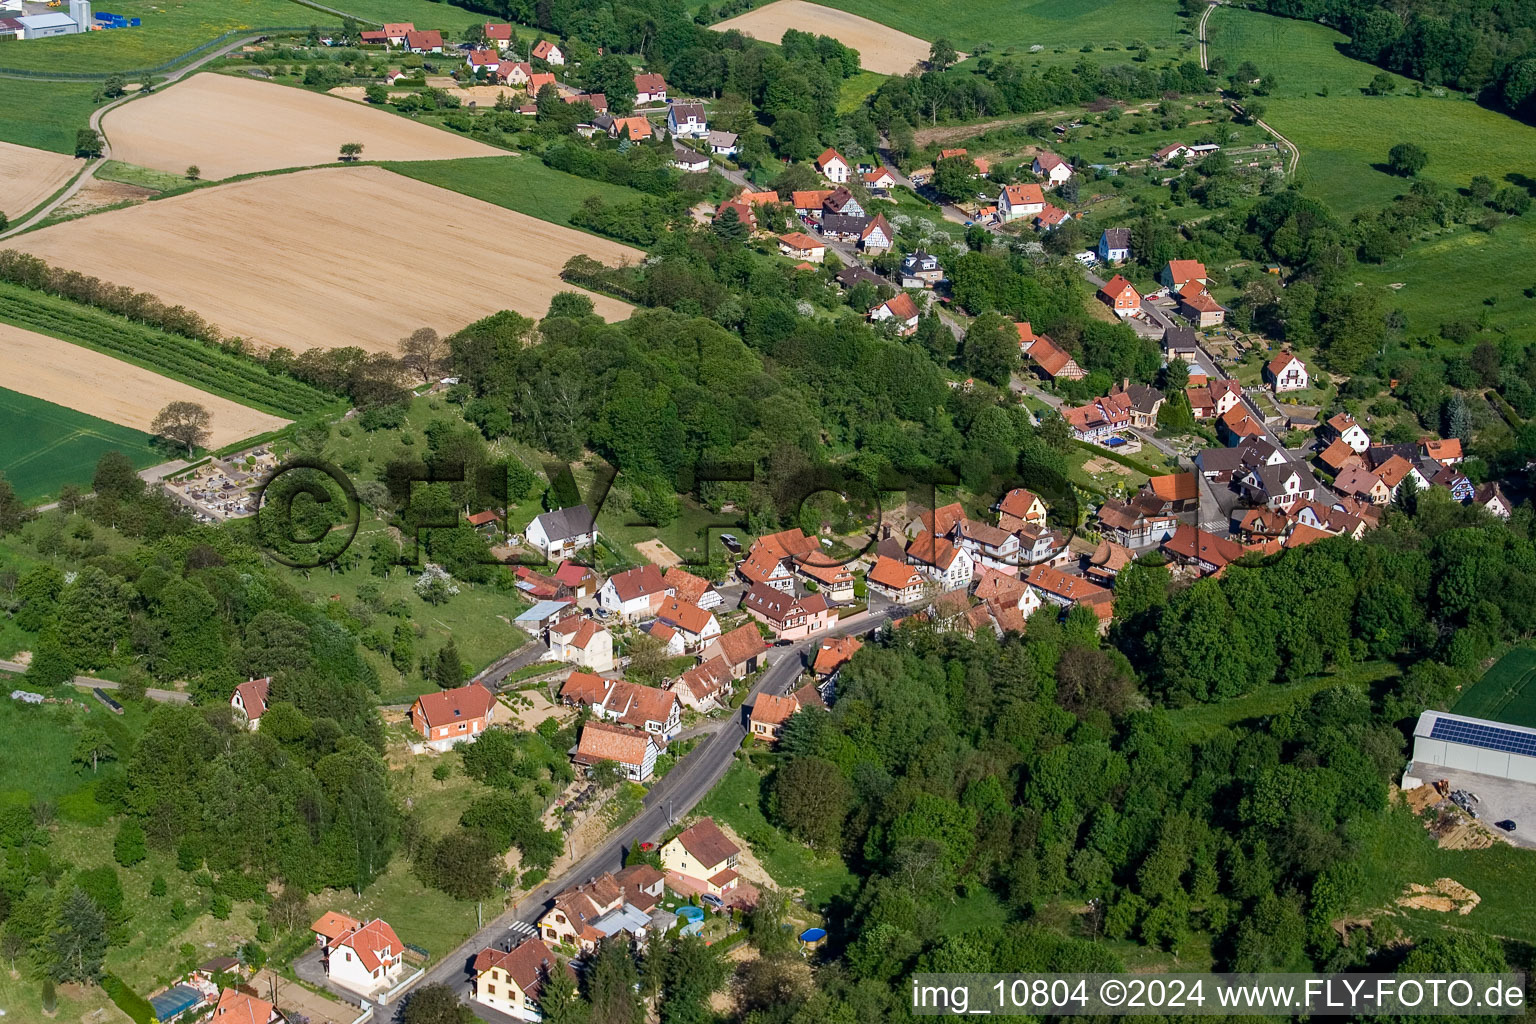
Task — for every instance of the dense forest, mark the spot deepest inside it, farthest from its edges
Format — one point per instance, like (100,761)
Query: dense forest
(1480,47)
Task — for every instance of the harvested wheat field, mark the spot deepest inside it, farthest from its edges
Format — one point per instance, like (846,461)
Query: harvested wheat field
(29,176)
(469,95)
(330,257)
(880,49)
(227,125)
(91,382)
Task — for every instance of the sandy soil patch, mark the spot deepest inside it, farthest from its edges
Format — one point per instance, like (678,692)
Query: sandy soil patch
(91,382)
(659,553)
(95,194)
(331,257)
(1444,896)
(1097,466)
(880,48)
(227,125)
(29,176)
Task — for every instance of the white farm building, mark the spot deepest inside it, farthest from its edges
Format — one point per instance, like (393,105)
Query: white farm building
(1473,745)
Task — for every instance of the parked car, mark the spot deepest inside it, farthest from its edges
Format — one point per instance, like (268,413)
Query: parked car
(1508,824)
(713,900)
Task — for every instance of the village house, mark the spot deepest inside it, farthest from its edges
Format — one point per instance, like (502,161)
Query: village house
(396,31)
(581,641)
(650,87)
(1039,544)
(768,560)
(1173,493)
(1181,343)
(1491,497)
(704,854)
(877,236)
(989,545)
(1279,486)
(722,143)
(808,203)
(704,687)
(1198,307)
(833,654)
(1177,273)
(430,41)
(634,751)
(1100,419)
(1205,551)
(250,701)
(1142,402)
(563,532)
(831,165)
(1238,425)
(633,594)
(1447,452)
(1049,358)
(1051,586)
(647,708)
(1106,562)
(696,626)
(1133,525)
(449,717)
(688,587)
(586,914)
(497,35)
(742,648)
(921,270)
(744,213)
(769,713)
(950,567)
(515,73)
(833,578)
(1214,399)
(1115,245)
(1051,218)
(899,309)
(1052,168)
(689,161)
(1285,373)
(235,1007)
(1170,152)
(366,958)
(1455,481)
(1342,427)
(841,228)
(687,121)
(1020,201)
(634,128)
(798,245)
(548,52)
(790,617)
(1020,506)
(1338,455)
(1224,465)
(842,201)
(487,60)
(580,580)
(895,581)
(513,982)
(878,180)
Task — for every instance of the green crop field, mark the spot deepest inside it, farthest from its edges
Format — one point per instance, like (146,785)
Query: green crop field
(48,446)
(170,28)
(1506,692)
(423,14)
(171,355)
(44,115)
(1012,23)
(520,183)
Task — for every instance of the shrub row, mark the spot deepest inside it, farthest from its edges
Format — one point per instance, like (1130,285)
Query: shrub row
(130,1002)
(205,366)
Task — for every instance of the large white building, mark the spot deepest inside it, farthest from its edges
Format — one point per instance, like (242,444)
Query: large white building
(1473,745)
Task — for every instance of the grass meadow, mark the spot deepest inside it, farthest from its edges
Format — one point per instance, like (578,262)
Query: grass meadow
(48,446)
(1004,23)
(521,183)
(44,115)
(170,28)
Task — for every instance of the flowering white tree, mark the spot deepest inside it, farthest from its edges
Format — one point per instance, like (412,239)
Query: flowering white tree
(434,585)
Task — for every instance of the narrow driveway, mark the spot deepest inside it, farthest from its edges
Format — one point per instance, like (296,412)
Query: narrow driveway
(90,683)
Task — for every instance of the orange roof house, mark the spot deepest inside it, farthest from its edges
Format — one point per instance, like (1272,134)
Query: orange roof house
(834,653)
(1120,295)
(332,926)
(1177,273)
(769,714)
(453,716)
(238,1008)
(632,749)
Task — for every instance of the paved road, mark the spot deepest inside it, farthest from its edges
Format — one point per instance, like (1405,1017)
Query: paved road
(668,801)
(1205,63)
(89,682)
(152,475)
(106,145)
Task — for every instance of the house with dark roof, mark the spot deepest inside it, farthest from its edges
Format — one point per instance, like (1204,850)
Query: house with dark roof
(562,532)
(449,717)
(687,121)
(1278,486)
(921,270)
(1052,168)
(1115,245)
(842,227)
(790,617)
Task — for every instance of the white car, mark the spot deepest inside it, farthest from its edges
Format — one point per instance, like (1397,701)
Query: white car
(1087,259)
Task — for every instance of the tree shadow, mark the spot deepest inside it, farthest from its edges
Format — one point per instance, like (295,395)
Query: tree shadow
(1524,181)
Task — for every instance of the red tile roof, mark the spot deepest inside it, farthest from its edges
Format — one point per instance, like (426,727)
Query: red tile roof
(585,688)
(1280,362)
(650,81)
(771,710)
(333,925)
(828,156)
(901,307)
(741,644)
(1024,195)
(810,199)
(707,844)
(1198,545)
(370,940)
(800,240)
(1175,487)
(706,680)
(638,582)
(428,40)
(460,704)
(601,741)
(529,965)
(498,32)
(834,653)
(1183,271)
(238,1008)
(684,614)
(253,694)
(888,572)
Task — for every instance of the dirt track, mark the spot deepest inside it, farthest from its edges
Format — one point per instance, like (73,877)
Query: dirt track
(29,176)
(330,257)
(227,125)
(880,48)
(90,382)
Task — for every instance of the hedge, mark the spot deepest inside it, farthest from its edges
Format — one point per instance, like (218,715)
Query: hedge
(130,1002)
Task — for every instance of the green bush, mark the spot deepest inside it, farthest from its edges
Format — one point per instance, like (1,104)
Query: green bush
(130,1002)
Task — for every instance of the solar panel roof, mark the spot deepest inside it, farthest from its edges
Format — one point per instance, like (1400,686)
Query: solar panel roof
(1490,737)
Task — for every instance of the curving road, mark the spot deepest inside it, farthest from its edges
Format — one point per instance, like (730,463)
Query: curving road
(668,801)
(1286,144)
(90,169)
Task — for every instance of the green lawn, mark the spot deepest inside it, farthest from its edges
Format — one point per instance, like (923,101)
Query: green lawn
(1203,720)
(1452,275)
(1397,850)
(424,14)
(1024,23)
(521,183)
(737,801)
(48,446)
(170,28)
(44,115)
(1506,692)
(856,89)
